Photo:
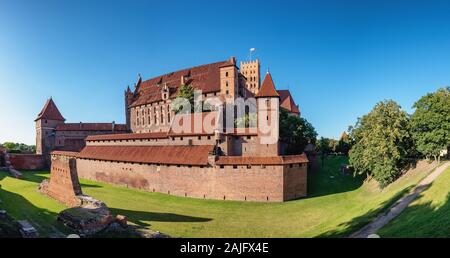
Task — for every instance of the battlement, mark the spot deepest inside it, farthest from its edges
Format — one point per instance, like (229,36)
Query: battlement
(256,61)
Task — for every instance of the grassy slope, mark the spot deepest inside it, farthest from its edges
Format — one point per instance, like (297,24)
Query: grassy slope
(427,216)
(336,206)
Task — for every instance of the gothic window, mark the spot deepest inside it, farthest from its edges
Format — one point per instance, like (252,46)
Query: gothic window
(226,74)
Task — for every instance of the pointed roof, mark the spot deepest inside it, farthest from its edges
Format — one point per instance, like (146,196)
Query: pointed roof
(344,136)
(267,88)
(287,102)
(50,112)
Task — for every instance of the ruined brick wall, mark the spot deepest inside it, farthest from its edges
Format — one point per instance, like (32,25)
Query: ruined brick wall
(64,185)
(27,161)
(252,183)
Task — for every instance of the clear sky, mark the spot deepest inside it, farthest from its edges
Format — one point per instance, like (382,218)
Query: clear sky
(338,58)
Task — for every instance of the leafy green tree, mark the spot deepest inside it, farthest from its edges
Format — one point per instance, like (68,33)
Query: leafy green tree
(186,92)
(382,142)
(246,121)
(324,145)
(296,132)
(19,147)
(430,123)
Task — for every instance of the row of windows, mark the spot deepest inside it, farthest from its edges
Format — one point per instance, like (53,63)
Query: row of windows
(249,72)
(145,116)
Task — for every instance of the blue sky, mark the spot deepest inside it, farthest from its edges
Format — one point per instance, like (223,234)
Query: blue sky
(338,58)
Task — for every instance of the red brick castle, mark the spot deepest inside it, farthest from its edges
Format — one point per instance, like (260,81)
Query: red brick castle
(202,154)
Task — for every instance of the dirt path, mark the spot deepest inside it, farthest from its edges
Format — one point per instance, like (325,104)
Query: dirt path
(400,205)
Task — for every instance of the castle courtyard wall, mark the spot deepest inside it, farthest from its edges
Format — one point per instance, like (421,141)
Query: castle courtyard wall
(27,161)
(244,183)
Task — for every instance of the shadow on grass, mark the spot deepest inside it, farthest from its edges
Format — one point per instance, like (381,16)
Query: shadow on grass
(36,176)
(20,208)
(357,223)
(142,218)
(421,220)
(329,179)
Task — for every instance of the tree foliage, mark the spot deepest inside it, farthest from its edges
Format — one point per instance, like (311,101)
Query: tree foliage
(296,132)
(430,122)
(246,121)
(18,147)
(382,141)
(186,93)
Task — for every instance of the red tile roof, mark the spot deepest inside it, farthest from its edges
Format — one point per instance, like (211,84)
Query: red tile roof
(267,88)
(276,160)
(205,78)
(50,112)
(65,153)
(174,155)
(91,127)
(287,102)
(127,136)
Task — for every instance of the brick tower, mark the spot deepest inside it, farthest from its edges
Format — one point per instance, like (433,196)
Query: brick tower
(251,71)
(46,122)
(268,101)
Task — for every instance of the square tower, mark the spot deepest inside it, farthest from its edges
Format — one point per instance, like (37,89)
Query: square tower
(251,71)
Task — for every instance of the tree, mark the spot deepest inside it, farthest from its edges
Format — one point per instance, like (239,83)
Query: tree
(246,121)
(324,145)
(185,94)
(18,147)
(430,123)
(382,141)
(296,132)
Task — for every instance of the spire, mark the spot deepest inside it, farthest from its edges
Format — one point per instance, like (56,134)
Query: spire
(50,112)
(267,88)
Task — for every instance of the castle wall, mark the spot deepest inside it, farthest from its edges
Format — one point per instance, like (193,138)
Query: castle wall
(251,183)
(27,161)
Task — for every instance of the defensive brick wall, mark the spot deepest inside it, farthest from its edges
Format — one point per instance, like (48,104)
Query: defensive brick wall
(27,161)
(274,183)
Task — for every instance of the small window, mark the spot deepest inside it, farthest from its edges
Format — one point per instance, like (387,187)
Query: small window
(249,166)
(249,137)
(235,167)
(222,166)
(199,137)
(209,137)
(226,74)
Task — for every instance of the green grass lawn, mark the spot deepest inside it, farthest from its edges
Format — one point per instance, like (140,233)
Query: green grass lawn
(427,216)
(337,205)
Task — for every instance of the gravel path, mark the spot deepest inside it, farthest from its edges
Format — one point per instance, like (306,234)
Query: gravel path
(400,205)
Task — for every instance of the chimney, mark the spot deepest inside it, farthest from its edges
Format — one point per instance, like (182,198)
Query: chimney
(182,79)
(113,125)
(232,60)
